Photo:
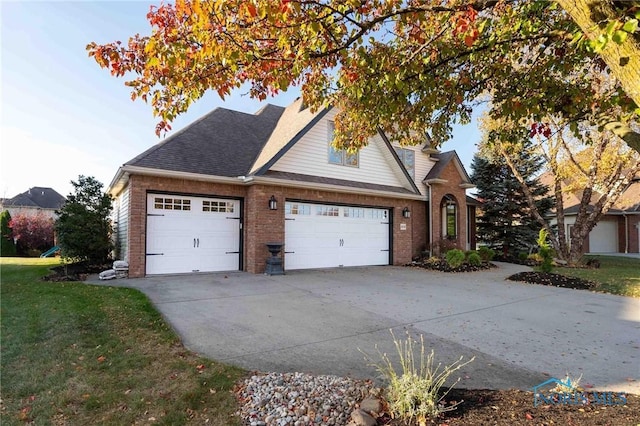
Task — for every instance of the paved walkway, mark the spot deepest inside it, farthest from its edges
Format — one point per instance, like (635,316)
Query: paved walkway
(320,321)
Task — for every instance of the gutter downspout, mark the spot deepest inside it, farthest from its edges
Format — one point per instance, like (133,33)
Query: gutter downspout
(626,233)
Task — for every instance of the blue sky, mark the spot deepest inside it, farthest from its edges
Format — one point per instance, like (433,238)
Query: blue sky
(62,115)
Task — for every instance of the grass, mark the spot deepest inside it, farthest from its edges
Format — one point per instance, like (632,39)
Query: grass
(74,353)
(616,275)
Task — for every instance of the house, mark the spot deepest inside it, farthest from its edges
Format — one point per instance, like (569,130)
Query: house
(36,200)
(618,231)
(210,197)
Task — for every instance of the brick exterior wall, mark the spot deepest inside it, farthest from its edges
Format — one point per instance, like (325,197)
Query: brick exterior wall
(631,231)
(261,225)
(438,192)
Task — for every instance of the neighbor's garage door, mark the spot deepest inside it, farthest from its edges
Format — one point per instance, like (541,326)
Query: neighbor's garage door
(324,236)
(603,238)
(192,234)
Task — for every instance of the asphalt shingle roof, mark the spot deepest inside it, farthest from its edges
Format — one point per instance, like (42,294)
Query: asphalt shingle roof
(444,158)
(38,197)
(222,143)
(333,181)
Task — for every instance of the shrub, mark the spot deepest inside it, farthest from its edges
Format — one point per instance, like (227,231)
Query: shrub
(7,246)
(522,256)
(454,258)
(413,394)
(474,259)
(83,224)
(545,252)
(34,233)
(486,254)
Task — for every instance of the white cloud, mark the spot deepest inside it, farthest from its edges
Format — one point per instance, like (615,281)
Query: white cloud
(27,161)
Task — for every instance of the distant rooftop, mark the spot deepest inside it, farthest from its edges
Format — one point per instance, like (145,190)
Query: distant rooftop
(36,197)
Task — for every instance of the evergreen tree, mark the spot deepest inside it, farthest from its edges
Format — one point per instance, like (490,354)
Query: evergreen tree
(83,224)
(7,246)
(506,223)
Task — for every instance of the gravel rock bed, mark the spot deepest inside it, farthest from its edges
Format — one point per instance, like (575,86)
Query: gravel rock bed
(299,399)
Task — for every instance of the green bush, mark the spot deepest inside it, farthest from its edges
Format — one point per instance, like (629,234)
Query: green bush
(522,256)
(486,254)
(546,252)
(7,246)
(547,259)
(454,258)
(474,259)
(414,393)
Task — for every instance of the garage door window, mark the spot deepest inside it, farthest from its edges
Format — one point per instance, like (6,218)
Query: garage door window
(171,204)
(378,214)
(354,213)
(217,206)
(296,208)
(327,211)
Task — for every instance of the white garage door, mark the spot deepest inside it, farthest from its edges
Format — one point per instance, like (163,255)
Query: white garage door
(192,234)
(603,238)
(325,236)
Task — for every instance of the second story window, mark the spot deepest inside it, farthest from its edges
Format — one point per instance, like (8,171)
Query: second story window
(340,156)
(408,159)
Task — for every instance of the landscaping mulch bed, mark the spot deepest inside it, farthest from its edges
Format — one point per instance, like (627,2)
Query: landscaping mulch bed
(515,407)
(73,272)
(442,266)
(555,280)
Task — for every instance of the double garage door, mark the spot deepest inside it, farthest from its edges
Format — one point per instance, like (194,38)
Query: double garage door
(325,236)
(192,234)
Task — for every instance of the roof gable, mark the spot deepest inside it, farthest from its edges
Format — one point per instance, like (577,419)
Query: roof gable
(221,143)
(443,160)
(295,122)
(307,155)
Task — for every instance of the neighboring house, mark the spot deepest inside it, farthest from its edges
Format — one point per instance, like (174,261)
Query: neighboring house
(618,231)
(209,197)
(35,200)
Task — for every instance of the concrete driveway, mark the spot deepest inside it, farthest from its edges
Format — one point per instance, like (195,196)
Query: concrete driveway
(320,321)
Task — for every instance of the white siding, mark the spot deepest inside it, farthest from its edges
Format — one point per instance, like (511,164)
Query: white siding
(309,156)
(122,217)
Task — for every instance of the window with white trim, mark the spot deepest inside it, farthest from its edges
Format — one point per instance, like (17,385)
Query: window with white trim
(449,217)
(340,156)
(408,160)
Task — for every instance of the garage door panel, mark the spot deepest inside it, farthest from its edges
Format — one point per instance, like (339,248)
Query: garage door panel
(196,234)
(603,238)
(356,236)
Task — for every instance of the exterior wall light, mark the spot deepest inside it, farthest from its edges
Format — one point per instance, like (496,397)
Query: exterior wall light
(406,213)
(273,203)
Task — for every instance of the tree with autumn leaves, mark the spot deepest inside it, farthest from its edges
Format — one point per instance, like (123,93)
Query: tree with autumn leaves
(595,169)
(406,67)
(403,66)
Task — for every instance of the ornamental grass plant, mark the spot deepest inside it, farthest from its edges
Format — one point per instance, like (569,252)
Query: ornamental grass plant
(414,391)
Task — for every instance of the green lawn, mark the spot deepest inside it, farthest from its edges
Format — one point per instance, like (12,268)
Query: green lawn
(74,353)
(616,275)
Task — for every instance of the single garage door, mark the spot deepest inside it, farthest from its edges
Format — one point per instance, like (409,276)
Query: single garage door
(325,236)
(603,238)
(192,234)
